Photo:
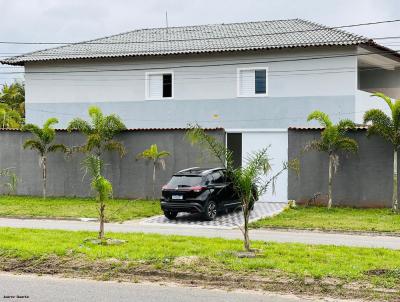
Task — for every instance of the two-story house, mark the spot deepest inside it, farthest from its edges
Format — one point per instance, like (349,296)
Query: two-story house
(254,79)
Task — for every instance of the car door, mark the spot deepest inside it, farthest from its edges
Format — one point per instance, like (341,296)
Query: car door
(232,198)
(219,185)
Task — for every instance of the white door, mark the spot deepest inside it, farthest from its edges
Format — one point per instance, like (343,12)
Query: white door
(277,143)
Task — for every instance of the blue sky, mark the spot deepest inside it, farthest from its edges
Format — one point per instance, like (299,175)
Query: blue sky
(76,20)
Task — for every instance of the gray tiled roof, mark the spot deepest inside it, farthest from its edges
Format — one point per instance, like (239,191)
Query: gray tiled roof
(201,38)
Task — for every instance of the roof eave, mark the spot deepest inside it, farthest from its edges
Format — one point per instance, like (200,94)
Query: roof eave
(23,62)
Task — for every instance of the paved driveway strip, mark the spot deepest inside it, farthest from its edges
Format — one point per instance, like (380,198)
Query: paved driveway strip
(226,221)
(307,237)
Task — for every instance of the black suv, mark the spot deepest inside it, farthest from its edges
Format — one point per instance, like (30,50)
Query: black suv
(199,190)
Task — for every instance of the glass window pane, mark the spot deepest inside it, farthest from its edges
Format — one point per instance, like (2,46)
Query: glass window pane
(260,82)
(167,85)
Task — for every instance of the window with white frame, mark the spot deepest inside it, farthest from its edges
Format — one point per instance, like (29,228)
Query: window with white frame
(252,82)
(159,85)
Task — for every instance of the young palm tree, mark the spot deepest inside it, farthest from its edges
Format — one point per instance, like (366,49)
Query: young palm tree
(43,145)
(249,181)
(100,132)
(157,158)
(103,188)
(389,128)
(333,140)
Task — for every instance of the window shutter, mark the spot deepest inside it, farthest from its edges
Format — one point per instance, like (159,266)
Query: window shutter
(155,86)
(246,82)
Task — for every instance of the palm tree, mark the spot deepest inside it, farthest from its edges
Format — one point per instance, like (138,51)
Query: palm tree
(14,96)
(103,188)
(157,158)
(100,132)
(43,145)
(333,140)
(250,181)
(9,118)
(387,127)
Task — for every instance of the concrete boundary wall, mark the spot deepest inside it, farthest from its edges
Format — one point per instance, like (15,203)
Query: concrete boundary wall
(362,180)
(131,178)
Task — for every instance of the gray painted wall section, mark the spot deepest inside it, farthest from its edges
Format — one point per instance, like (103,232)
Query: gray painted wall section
(362,180)
(268,112)
(130,177)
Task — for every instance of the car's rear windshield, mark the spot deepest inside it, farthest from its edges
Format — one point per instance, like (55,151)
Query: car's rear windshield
(184,181)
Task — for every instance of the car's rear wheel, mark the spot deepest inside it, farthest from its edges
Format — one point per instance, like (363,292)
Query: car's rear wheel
(170,214)
(210,210)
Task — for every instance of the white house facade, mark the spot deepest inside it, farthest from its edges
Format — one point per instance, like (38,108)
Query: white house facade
(255,79)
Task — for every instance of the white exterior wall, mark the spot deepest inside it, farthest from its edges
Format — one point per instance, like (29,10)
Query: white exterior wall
(322,77)
(276,140)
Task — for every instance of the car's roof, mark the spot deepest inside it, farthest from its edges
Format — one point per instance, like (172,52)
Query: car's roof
(197,171)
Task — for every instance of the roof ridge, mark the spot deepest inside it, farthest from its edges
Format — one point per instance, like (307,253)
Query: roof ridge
(334,28)
(253,35)
(144,29)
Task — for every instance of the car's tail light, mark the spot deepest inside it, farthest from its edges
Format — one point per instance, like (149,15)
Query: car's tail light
(197,188)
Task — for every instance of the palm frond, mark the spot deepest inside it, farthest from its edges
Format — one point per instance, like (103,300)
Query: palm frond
(345,124)
(79,125)
(113,145)
(347,144)
(50,122)
(57,147)
(113,124)
(163,154)
(34,145)
(316,145)
(34,129)
(396,114)
(380,124)
(321,117)
(93,165)
(384,97)
(196,135)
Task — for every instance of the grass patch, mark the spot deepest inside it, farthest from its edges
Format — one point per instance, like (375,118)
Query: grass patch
(279,266)
(343,219)
(298,259)
(68,207)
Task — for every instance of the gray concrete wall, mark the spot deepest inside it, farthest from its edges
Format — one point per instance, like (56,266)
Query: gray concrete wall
(362,180)
(130,177)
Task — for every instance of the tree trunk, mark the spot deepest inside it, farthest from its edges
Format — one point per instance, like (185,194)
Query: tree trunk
(246,213)
(154,180)
(101,231)
(330,181)
(44,170)
(395,205)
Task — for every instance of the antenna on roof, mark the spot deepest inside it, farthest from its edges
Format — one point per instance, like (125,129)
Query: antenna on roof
(166,19)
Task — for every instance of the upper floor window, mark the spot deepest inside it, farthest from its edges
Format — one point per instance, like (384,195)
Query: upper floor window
(252,82)
(159,85)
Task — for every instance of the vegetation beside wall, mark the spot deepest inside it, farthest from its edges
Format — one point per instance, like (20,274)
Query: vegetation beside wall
(335,219)
(64,207)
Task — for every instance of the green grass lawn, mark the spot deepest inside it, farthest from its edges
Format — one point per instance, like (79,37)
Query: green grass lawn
(345,219)
(62,207)
(218,255)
